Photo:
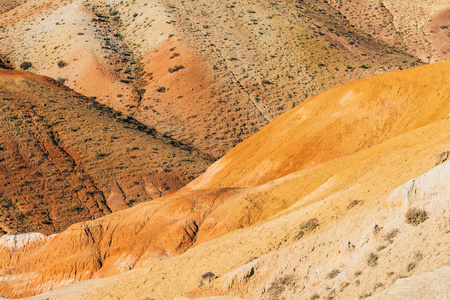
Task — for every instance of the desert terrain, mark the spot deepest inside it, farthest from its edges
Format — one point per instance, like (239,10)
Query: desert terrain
(212,73)
(170,149)
(298,209)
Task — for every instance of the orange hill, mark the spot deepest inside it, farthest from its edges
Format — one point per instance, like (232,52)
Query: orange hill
(318,176)
(65,158)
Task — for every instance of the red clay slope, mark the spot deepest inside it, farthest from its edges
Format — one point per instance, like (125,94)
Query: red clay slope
(65,158)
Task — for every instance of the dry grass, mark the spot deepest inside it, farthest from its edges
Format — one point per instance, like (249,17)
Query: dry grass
(415,216)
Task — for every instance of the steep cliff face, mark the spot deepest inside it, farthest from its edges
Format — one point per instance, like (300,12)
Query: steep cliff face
(65,158)
(308,194)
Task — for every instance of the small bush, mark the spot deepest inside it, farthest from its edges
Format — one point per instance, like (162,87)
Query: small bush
(372,260)
(310,225)
(208,275)
(391,235)
(333,274)
(176,68)
(207,278)
(415,216)
(62,80)
(279,285)
(62,64)
(26,65)
(344,285)
(411,266)
(314,296)
(353,203)
(382,247)
(378,285)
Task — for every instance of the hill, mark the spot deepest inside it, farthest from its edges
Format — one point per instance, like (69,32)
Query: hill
(339,197)
(65,158)
(212,73)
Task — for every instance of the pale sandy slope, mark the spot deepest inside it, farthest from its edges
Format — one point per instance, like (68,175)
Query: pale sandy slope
(344,158)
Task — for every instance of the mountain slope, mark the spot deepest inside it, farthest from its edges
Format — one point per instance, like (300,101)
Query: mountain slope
(209,73)
(65,158)
(418,28)
(310,193)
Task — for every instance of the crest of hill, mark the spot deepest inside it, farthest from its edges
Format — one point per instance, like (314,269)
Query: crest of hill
(324,173)
(65,158)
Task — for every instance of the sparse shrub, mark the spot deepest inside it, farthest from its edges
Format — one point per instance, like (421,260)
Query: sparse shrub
(310,225)
(443,26)
(391,235)
(176,68)
(415,216)
(411,266)
(299,235)
(207,278)
(381,248)
(372,260)
(278,286)
(333,273)
(314,296)
(443,157)
(378,285)
(62,80)
(208,275)
(161,89)
(62,64)
(344,285)
(25,65)
(306,227)
(353,203)
(418,256)
(357,273)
